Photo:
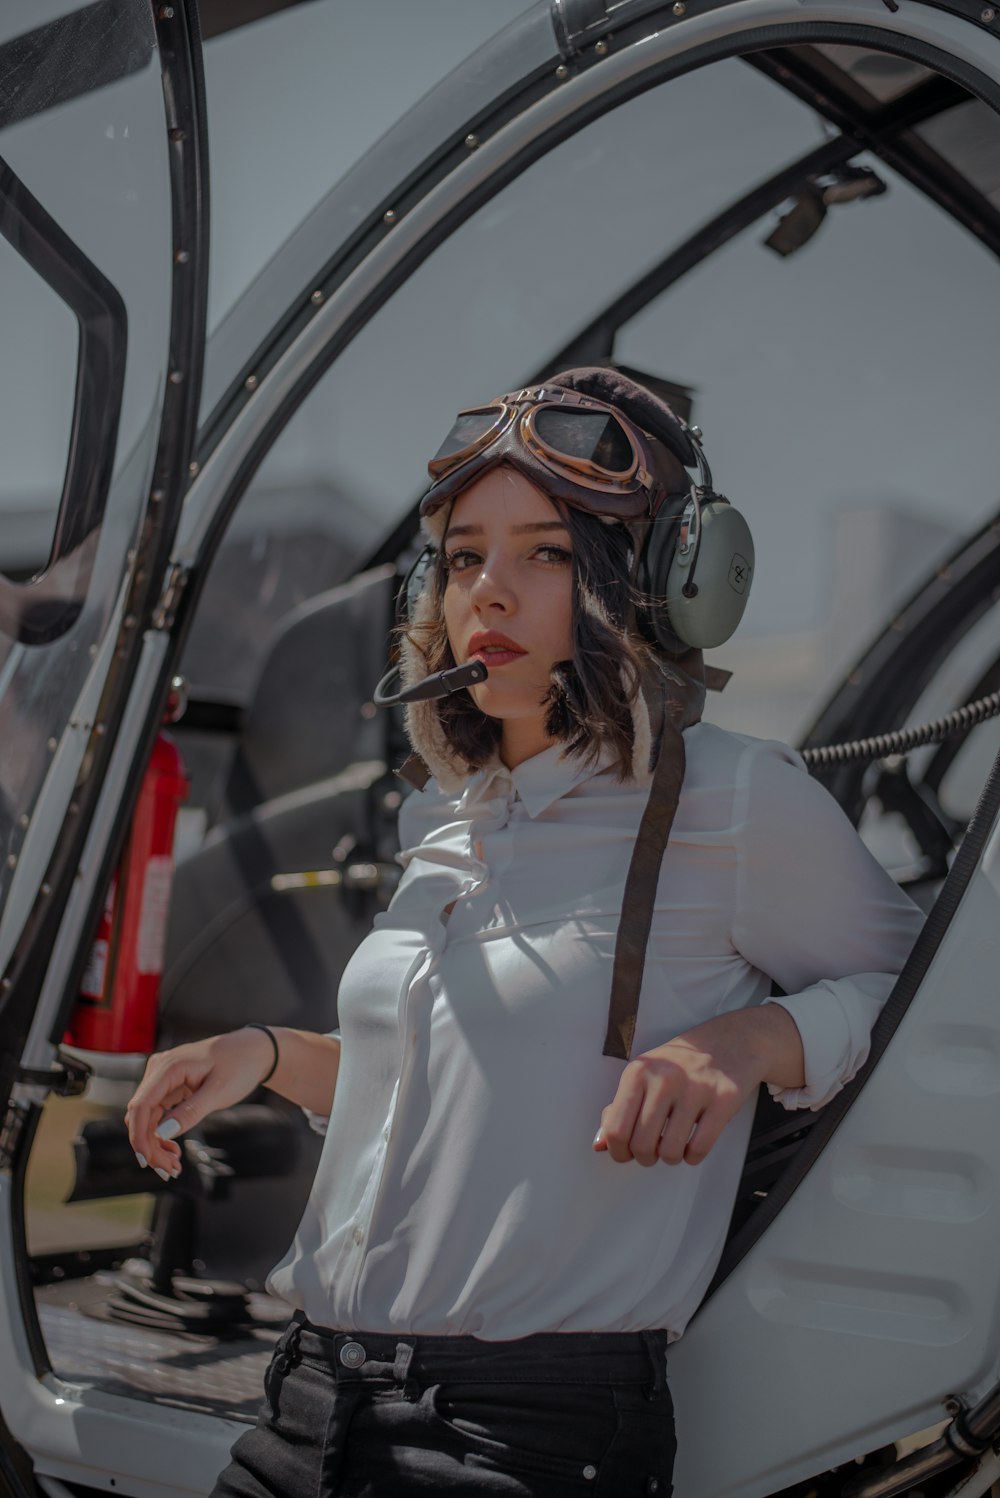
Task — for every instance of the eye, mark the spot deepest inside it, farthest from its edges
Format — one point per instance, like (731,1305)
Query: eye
(552,555)
(461,560)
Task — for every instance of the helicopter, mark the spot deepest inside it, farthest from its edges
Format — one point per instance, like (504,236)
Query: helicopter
(782,214)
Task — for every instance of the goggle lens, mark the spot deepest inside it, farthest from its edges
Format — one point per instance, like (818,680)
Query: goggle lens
(469,429)
(591,436)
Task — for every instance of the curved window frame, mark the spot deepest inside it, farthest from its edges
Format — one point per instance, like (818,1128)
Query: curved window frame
(42,609)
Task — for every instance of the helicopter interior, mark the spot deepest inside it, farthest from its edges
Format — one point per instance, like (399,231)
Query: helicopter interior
(286,844)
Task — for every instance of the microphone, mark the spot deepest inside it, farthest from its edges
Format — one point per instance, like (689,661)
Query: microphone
(438,684)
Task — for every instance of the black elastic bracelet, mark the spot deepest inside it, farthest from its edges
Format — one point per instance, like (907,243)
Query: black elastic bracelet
(271,1037)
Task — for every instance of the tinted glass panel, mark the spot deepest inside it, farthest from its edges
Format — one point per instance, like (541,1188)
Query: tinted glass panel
(879,74)
(486,311)
(313,87)
(37,388)
(87,171)
(847,394)
(968,137)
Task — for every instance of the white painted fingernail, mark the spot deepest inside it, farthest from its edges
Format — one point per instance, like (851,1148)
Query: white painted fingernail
(141,1159)
(168,1128)
(597,1137)
(163,1174)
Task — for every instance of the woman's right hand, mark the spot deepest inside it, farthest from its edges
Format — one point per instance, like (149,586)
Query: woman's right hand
(182,1086)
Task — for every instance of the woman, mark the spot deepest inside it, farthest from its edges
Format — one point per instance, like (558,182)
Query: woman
(484,1290)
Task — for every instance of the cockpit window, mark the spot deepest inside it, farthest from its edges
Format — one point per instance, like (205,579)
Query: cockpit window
(37,385)
(85,284)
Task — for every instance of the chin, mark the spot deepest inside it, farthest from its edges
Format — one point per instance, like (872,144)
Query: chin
(500,702)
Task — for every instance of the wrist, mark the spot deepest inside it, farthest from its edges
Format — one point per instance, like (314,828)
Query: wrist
(275,1053)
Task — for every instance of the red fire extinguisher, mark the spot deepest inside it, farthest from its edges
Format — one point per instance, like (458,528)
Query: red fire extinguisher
(119,995)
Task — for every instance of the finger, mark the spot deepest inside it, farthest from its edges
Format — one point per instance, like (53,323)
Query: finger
(673,1142)
(618,1119)
(167,1089)
(188,1111)
(654,1116)
(709,1127)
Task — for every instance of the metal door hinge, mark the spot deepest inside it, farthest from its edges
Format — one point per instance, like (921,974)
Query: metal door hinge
(67,1078)
(173,589)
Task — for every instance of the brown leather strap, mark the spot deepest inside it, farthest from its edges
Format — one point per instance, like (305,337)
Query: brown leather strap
(414,772)
(639,898)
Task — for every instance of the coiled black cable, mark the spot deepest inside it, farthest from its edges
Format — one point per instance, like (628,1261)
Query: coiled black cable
(902,740)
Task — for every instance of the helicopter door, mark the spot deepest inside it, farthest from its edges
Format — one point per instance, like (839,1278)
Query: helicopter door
(102,283)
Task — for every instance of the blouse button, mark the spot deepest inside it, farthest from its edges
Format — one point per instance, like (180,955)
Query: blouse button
(358,1234)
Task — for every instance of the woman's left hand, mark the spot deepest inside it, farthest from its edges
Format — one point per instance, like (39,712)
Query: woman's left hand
(673,1102)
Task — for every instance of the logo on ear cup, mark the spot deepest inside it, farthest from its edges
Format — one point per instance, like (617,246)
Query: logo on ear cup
(739,573)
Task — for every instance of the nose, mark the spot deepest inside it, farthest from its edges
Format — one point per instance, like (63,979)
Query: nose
(491,590)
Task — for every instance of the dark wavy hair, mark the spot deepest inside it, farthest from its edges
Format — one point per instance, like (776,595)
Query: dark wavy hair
(589,700)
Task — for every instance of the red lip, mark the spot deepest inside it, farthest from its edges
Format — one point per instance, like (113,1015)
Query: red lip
(493,648)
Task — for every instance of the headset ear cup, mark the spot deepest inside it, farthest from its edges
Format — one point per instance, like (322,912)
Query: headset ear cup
(720,566)
(723,573)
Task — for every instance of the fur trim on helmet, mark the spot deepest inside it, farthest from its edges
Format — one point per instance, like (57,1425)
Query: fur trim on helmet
(423,725)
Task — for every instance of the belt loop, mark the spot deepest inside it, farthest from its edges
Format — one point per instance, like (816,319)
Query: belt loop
(295,1338)
(401,1369)
(656,1352)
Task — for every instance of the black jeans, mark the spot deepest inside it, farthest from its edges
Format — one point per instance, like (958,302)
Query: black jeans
(358,1415)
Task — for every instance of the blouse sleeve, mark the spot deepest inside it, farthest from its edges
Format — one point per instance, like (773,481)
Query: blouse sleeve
(816,912)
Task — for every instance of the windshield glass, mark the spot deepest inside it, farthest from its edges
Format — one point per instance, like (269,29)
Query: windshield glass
(845,387)
(86,286)
(487,311)
(846,395)
(312,88)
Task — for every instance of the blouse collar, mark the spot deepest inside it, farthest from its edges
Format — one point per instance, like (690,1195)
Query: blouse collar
(538,782)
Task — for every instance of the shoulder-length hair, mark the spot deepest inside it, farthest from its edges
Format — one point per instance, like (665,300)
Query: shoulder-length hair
(589,702)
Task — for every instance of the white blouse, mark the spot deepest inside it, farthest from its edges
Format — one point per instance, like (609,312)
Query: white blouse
(458,1191)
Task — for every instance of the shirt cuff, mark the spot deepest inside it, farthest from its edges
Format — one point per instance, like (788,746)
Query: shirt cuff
(834,1019)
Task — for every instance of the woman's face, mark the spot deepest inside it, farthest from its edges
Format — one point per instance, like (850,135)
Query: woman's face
(508,601)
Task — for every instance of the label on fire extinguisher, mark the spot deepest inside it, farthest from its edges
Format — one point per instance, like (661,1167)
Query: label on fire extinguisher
(153,917)
(94,974)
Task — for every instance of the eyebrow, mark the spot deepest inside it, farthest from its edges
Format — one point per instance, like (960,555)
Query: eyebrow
(515,530)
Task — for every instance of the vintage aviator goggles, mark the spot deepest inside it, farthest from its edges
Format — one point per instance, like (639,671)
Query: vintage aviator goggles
(577,448)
